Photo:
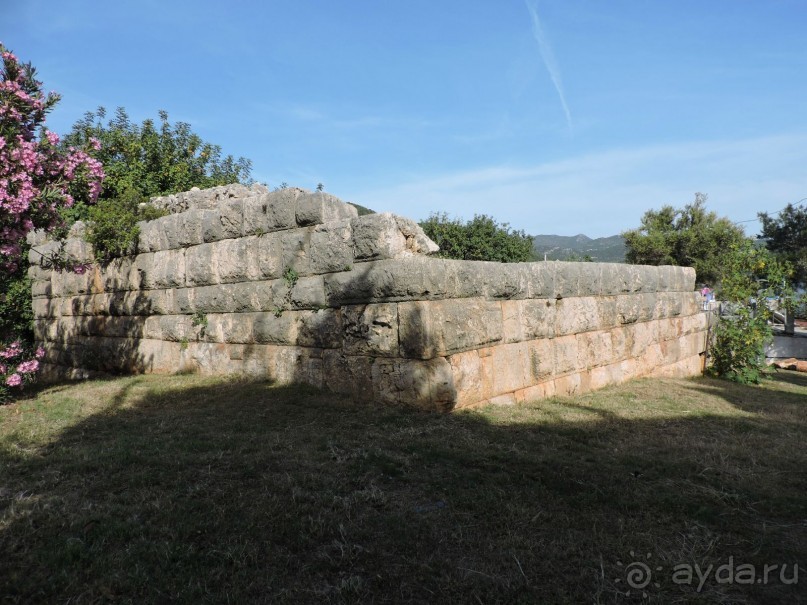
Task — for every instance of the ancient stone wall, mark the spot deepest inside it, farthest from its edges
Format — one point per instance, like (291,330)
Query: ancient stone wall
(295,287)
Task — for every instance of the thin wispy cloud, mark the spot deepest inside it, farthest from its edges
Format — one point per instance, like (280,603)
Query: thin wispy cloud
(548,58)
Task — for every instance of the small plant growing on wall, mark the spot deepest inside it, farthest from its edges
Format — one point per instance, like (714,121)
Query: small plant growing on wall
(199,320)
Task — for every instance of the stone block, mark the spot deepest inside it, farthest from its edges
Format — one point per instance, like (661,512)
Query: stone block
(468,378)
(616,279)
(321,329)
(331,247)
(528,319)
(201,265)
(295,248)
(176,328)
(566,354)
(575,315)
(319,207)
(236,260)
(377,236)
(168,269)
(231,218)
(573,384)
(628,308)
(425,384)
(281,208)
(370,329)
(281,329)
(540,279)
(413,278)
(437,328)
(212,228)
(492,280)
(350,375)
(535,393)
(594,349)
(209,299)
(590,279)
(309,293)
(145,270)
(270,255)
(171,227)
(512,368)
(567,279)
(191,227)
(541,359)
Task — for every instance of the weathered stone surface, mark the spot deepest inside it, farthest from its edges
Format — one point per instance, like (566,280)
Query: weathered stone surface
(231,218)
(425,384)
(201,265)
(575,315)
(413,278)
(439,328)
(528,319)
(168,269)
(377,237)
(237,260)
(295,248)
(319,207)
(417,242)
(270,255)
(371,329)
(331,247)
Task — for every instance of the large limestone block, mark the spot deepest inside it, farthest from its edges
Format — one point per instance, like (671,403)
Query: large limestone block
(567,279)
(168,270)
(191,227)
(237,260)
(437,328)
(590,279)
(512,368)
(575,315)
(319,207)
(280,208)
(376,237)
(541,359)
(177,328)
(280,329)
(425,384)
(295,246)
(528,319)
(540,279)
(212,227)
(331,247)
(309,293)
(270,255)
(594,349)
(371,329)
(231,217)
(201,265)
(413,278)
(144,272)
(470,381)
(566,354)
(321,328)
(491,280)
(350,375)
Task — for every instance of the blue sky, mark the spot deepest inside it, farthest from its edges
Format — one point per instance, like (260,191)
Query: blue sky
(557,116)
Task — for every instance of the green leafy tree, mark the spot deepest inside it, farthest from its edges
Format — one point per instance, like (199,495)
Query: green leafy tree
(481,238)
(786,236)
(753,281)
(690,236)
(141,161)
(154,159)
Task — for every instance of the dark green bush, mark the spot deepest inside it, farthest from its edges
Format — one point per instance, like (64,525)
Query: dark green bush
(113,229)
(481,238)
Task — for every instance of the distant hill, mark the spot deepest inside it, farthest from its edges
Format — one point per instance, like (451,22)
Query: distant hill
(562,247)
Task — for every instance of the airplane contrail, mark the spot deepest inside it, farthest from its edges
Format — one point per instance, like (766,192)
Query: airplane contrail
(548,57)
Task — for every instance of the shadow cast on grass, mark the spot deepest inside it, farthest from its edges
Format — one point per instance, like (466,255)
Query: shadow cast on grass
(199,490)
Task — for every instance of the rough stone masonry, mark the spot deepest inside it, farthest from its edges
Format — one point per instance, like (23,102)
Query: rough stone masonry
(295,287)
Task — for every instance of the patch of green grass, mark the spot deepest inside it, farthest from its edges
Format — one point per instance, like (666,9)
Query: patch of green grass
(189,489)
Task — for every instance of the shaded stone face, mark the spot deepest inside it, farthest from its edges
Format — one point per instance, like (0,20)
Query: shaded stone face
(293,286)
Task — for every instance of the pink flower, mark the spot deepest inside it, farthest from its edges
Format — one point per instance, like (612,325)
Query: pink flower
(28,367)
(40,353)
(95,143)
(14,380)
(53,138)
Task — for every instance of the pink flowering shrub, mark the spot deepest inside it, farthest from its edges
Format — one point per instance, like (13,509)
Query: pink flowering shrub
(18,366)
(39,178)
